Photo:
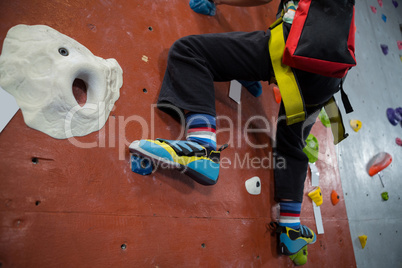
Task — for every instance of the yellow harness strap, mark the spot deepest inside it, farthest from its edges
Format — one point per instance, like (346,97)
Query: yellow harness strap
(290,90)
(335,118)
(288,86)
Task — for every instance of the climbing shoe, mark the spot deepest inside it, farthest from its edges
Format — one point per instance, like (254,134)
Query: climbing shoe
(194,160)
(292,241)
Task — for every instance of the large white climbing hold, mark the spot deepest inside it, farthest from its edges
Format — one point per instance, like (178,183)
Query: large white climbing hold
(38,66)
(253,185)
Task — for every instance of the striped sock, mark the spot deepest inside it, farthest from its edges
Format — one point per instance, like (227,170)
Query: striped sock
(201,128)
(290,214)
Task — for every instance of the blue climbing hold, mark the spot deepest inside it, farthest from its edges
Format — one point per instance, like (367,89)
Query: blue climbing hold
(141,165)
(254,87)
(204,7)
(384,49)
(394,115)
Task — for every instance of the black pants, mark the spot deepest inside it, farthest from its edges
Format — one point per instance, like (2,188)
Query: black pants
(196,61)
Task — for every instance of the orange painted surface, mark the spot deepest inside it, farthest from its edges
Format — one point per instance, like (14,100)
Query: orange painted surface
(76,203)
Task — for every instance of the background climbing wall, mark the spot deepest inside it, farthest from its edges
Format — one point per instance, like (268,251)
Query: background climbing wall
(373,86)
(76,203)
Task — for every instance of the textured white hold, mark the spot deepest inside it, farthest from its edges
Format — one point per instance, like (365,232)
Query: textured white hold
(253,185)
(40,78)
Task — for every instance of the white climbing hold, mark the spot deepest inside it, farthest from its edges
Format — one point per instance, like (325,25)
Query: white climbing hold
(253,185)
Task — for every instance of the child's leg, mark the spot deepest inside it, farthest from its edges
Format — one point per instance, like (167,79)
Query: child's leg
(289,180)
(291,162)
(195,62)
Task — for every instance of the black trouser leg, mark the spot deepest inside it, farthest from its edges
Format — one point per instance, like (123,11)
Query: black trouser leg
(196,61)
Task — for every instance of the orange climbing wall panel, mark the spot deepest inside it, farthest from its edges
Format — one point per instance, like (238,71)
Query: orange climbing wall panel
(76,203)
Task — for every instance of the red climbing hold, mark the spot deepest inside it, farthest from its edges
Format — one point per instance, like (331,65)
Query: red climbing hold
(334,197)
(398,141)
(379,162)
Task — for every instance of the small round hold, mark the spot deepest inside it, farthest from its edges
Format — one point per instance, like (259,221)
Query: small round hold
(335,197)
(253,185)
(398,141)
(141,165)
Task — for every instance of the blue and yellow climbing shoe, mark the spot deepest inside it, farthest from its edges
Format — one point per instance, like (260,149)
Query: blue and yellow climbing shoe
(192,159)
(291,241)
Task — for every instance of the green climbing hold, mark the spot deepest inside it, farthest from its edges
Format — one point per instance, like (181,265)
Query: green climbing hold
(384,196)
(324,118)
(300,258)
(311,149)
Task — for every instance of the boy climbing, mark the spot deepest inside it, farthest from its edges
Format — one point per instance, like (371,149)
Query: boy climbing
(194,63)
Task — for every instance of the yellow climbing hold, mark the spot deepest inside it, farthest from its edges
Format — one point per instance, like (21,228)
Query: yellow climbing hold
(356,125)
(363,240)
(316,196)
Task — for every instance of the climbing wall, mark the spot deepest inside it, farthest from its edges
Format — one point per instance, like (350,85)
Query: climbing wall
(76,202)
(373,87)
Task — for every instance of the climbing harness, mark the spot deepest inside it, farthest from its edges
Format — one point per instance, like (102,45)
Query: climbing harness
(318,57)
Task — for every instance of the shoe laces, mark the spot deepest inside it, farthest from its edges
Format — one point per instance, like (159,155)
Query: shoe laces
(305,231)
(190,148)
(185,148)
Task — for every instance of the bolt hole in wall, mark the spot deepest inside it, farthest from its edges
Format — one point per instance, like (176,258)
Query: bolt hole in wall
(17,223)
(150,28)
(144,90)
(123,246)
(35,160)
(203,245)
(37,203)
(63,51)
